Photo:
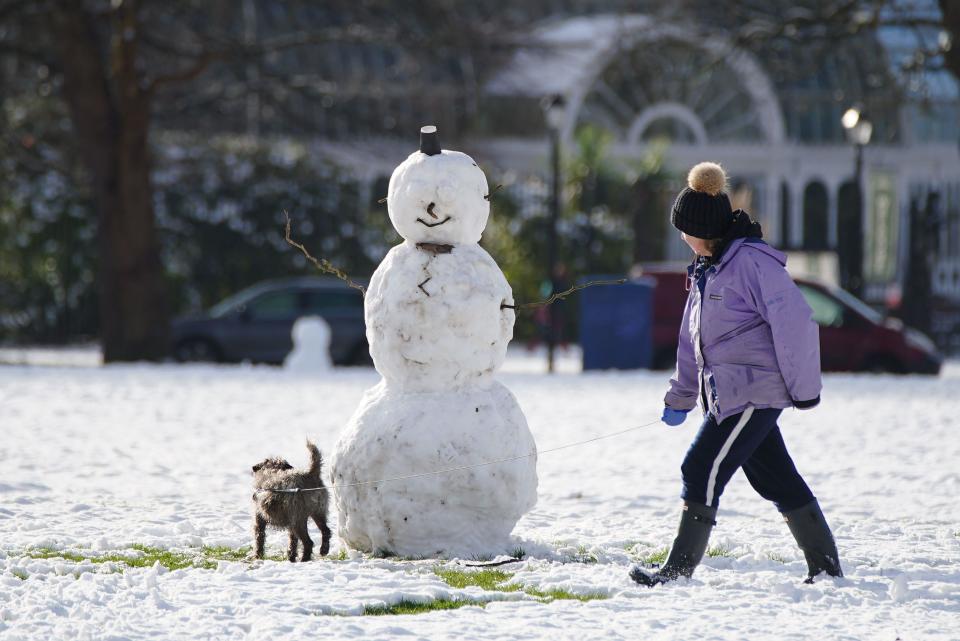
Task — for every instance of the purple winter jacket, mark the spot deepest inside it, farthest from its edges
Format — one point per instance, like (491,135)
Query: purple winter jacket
(748,339)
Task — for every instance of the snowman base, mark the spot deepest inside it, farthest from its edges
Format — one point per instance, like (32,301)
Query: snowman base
(455,513)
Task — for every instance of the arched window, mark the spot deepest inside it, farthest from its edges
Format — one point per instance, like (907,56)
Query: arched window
(784,215)
(665,88)
(670,129)
(674,122)
(850,236)
(815,217)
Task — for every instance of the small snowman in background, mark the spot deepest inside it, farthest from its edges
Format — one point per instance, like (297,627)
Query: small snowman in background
(311,346)
(439,317)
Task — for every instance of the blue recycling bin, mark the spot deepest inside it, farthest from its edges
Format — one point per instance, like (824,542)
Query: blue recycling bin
(616,324)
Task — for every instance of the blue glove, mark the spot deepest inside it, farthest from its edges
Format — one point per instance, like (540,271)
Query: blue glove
(673,417)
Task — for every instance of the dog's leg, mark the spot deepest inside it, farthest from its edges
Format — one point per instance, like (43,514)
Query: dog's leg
(306,540)
(259,534)
(325,533)
(292,552)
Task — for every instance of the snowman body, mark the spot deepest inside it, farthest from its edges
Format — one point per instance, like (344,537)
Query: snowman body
(434,322)
(438,329)
(311,346)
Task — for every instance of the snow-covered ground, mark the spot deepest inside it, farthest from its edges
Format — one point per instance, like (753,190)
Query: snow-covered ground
(96,460)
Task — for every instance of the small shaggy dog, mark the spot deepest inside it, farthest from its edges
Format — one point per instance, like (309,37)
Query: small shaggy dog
(290,510)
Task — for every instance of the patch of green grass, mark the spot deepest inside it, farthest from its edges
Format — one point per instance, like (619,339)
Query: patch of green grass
(48,553)
(773,556)
(167,558)
(496,581)
(147,557)
(224,553)
(411,607)
(584,556)
(518,553)
(658,557)
(719,550)
(206,557)
(342,555)
(558,594)
(491,580)
(20,574)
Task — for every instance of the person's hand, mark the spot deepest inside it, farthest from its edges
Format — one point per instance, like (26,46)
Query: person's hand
(673,417)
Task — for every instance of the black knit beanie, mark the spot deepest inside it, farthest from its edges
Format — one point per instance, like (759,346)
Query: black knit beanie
(702,209)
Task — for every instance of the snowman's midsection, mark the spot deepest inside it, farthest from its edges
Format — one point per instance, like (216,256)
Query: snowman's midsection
(438,321)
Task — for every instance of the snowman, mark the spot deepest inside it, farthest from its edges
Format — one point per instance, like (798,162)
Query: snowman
(311,346)
(438,324)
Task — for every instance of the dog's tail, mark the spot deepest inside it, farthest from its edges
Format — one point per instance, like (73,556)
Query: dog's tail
(316,459)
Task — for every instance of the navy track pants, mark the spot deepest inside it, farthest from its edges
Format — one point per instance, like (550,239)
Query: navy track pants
(750,440)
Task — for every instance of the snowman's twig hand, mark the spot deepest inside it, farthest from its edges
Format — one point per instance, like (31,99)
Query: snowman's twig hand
(493,191)
(563,295)
(322,264)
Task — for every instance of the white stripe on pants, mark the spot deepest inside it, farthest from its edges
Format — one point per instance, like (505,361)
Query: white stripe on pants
(712,481)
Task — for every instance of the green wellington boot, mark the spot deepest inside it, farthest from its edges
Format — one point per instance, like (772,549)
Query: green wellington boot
(688,549)
(813,536)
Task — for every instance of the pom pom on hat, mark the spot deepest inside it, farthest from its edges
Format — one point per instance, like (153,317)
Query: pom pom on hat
(707,177)
(703,210)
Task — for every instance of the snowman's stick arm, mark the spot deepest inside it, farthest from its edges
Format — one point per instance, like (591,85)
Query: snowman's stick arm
(563,295)
(322,264)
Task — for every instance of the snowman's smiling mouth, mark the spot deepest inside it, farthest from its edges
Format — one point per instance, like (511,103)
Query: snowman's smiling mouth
(421,220)
(432,215)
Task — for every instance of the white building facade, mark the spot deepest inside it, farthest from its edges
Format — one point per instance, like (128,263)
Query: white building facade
(774,125)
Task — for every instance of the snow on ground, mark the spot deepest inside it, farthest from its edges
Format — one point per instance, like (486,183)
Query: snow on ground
(95,460)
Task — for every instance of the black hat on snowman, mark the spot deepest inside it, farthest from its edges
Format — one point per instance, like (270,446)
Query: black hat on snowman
(429,140)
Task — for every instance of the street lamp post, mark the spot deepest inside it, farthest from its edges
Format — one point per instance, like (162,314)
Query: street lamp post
(859,130)
(554,112)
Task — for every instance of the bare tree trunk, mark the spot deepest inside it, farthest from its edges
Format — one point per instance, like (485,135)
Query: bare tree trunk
(110,111)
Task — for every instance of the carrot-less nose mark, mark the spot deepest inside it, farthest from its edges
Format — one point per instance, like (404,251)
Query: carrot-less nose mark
(430,210)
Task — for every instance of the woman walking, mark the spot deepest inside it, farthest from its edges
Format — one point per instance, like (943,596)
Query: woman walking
(748,350)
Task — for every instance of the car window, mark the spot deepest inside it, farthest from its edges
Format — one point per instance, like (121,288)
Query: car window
(233,303)
(858,305)
(274,306)
(317,302)
(827,311)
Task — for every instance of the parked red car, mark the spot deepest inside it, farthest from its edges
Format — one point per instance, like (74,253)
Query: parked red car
(853,336)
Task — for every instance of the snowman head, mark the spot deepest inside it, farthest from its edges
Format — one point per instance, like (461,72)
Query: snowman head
(438,196)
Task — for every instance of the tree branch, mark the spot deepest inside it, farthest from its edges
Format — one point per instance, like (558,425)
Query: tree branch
(186,74)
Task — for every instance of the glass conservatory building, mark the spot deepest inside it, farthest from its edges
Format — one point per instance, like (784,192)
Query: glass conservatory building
(770,110)
(775,126)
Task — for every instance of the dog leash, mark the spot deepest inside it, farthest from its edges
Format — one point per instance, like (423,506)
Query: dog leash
(459,468)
